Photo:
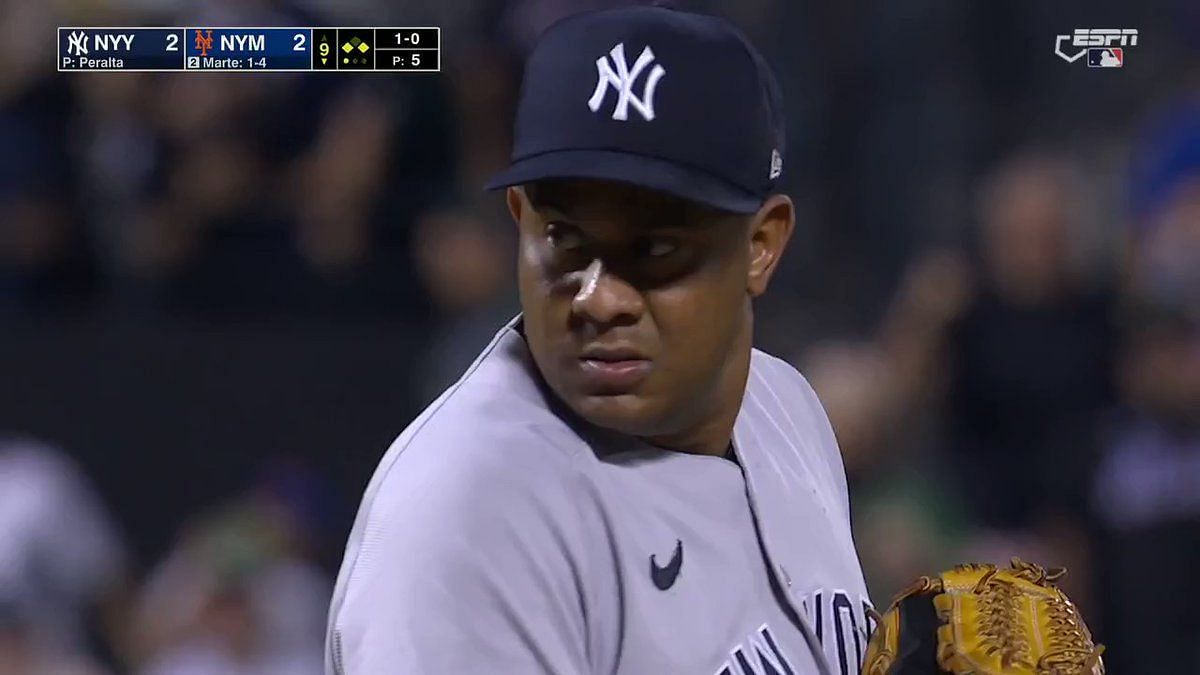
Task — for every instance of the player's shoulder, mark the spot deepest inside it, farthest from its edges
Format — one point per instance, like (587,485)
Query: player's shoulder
(771,374)
(780,400)
(484,480)
(497,411)
(491,435)
(779,390)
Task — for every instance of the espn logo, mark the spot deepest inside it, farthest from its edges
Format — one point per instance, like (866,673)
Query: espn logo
(1112,57)
(1099,44)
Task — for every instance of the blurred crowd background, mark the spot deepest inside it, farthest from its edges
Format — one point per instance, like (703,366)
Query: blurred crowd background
(221,297)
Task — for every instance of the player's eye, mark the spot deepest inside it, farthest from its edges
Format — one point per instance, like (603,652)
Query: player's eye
(563,237)
(657,247)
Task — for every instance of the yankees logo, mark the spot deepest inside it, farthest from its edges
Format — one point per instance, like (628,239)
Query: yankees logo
(77,43)
(622,79)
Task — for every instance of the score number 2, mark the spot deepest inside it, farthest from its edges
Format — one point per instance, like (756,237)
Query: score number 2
(299,45)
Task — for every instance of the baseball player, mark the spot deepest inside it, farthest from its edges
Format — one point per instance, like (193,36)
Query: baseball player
(620,483)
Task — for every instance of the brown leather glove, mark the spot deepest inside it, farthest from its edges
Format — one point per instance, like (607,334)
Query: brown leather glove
(984,620)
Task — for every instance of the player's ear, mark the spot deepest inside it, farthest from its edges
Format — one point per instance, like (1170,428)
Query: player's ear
(770,229)
(515,196)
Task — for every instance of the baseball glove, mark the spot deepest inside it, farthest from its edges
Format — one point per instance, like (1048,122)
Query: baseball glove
(983,620)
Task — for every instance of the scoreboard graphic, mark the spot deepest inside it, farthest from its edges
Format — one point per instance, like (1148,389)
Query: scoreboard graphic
(220,49)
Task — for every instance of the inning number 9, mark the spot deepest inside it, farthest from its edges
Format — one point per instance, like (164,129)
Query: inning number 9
(324,49)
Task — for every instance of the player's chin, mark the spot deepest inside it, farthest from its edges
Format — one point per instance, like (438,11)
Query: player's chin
(628,413)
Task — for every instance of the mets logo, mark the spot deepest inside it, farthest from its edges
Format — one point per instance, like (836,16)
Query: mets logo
(203,42)
(621,78)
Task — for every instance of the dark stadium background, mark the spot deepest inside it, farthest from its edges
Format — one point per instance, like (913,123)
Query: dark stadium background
(222,295)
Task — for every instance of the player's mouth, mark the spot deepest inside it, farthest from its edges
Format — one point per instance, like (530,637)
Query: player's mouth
(613,370)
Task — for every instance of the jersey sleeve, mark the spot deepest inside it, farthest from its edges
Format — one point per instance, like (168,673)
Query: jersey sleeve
(468,563)
(828,442)
(810,409)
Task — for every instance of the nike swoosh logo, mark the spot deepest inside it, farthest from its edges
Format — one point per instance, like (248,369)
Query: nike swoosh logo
(664,577)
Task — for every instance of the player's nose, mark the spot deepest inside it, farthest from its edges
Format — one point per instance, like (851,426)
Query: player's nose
(605,298)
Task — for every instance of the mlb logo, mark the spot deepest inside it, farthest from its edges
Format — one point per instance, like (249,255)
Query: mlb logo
(1106,57)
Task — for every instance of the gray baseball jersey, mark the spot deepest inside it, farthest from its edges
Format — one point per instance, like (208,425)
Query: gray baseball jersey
(501,534)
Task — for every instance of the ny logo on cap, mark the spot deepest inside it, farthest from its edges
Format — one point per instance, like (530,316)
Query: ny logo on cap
(622,79)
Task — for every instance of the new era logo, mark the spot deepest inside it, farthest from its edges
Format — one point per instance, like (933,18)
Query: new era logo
(776,164)
(622,78)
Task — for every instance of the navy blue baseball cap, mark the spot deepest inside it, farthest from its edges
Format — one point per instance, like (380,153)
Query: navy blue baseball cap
(661,98)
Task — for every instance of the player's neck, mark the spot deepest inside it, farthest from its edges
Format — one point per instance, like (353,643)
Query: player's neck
(708,440)
(713,430)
